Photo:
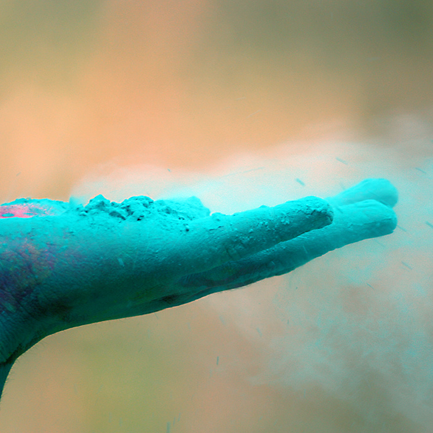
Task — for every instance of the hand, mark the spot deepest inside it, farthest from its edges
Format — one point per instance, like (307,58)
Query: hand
(63,266)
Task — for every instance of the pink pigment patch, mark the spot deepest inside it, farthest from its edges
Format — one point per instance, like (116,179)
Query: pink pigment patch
(26,210)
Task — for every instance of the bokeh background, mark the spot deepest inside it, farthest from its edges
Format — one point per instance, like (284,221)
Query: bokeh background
(242,103)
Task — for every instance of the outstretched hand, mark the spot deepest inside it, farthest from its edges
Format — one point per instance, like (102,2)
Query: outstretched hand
(63,266)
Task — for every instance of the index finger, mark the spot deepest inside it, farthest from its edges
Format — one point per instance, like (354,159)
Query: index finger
(219,238)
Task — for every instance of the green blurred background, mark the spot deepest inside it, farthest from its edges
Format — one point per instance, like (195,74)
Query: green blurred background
(186,85)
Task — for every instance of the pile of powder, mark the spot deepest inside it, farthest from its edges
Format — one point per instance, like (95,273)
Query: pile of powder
(167,213)
(141,207)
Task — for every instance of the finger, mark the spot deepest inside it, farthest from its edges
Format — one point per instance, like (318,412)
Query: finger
(221,238)
(381,190)
(352,223)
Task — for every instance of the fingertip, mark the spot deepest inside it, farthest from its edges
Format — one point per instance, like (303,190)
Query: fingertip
(382,191)
(371,216)
(379,189)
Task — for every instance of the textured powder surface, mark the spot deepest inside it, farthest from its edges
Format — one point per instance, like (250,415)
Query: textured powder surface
(141,207)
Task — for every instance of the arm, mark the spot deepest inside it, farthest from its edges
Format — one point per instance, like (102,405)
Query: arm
(106,261)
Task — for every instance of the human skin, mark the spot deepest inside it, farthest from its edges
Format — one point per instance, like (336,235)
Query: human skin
(63,266)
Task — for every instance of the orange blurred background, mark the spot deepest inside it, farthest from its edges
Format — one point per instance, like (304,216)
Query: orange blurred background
(186,83)
(184,86)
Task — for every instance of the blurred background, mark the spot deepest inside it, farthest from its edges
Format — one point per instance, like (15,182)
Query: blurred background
(242,103)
